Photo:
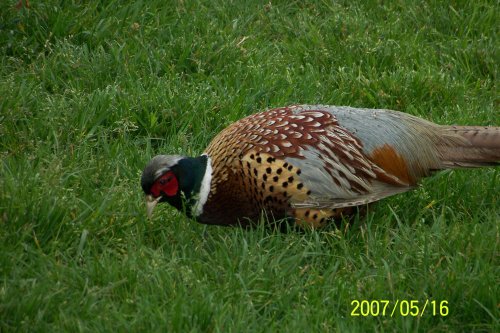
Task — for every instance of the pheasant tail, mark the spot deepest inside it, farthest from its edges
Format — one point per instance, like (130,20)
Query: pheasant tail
(471,146)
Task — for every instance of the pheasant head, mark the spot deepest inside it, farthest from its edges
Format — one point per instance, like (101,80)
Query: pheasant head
(183,182)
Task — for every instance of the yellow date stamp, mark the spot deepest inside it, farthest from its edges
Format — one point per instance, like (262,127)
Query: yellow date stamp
(404,308)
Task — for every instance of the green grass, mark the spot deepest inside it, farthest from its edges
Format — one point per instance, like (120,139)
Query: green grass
(89,92)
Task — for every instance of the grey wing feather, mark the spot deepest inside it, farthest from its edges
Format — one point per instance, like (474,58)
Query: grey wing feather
(412,137)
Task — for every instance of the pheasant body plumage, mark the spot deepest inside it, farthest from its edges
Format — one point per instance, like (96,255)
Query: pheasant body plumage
(314,163)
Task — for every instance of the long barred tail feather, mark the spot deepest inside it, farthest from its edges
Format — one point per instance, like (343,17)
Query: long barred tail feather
(477,146)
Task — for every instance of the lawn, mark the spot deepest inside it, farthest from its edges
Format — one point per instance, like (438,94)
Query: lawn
(89,91)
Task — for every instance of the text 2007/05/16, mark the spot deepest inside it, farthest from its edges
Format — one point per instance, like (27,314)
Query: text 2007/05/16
(383,307)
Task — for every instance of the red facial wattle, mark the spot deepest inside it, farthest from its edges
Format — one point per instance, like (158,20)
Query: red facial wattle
(167,185)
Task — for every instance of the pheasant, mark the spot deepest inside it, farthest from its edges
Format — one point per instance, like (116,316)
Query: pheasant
(311,164)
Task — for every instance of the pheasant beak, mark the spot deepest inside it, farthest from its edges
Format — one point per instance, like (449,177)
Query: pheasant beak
(150,204)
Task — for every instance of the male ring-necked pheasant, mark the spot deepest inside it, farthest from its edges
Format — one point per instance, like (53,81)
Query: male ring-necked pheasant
(312,163)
